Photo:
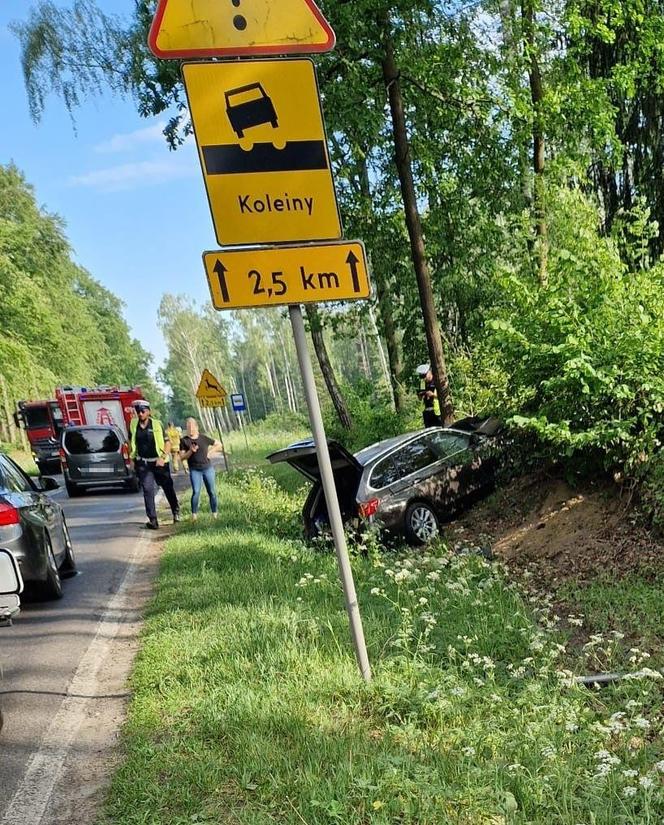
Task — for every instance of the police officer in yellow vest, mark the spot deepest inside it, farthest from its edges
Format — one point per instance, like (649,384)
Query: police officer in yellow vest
(150,451)
(429,397)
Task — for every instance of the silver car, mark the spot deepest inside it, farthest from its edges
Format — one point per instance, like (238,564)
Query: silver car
(409,484)
(96,455)
(34,529)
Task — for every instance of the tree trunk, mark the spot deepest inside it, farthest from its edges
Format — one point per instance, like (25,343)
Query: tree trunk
(385,300)
(246,398)
(536,96)
(381,352)
(365,358)
(326,367)
(413,224)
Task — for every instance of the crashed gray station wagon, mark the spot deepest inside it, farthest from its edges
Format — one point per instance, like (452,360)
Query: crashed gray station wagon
(409,485)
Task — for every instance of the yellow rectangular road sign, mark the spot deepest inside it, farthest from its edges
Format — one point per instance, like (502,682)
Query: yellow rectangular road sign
(262,147)
(273,276)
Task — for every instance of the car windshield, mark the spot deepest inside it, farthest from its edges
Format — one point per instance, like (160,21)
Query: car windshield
(37,417)
(83,442)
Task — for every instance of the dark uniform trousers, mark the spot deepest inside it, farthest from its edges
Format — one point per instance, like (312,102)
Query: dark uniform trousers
(152,477)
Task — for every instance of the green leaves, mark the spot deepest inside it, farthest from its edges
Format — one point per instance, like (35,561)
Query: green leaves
(58,324)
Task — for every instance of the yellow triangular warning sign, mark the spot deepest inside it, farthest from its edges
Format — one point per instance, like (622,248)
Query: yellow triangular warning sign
(210,392)
(212,28)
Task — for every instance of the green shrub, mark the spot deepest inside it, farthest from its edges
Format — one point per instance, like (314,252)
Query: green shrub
(651,489)
(584,355)
(373,417)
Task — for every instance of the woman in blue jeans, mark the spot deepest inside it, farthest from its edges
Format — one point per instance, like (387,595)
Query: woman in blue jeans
(195,449)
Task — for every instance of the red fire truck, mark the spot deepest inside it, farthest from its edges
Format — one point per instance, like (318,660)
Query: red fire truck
(44,421)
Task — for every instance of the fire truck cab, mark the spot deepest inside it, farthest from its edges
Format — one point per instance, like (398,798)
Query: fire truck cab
(43,423)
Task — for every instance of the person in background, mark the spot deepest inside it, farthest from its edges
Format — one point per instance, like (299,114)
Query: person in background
(174,434)
(150,451)
(195,449)
(428,395)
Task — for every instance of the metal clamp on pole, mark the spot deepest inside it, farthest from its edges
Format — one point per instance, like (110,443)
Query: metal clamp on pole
(330,490)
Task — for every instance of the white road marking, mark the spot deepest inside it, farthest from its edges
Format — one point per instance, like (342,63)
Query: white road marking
(35,790)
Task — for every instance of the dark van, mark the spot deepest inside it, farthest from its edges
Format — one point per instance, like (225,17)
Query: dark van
(96,456)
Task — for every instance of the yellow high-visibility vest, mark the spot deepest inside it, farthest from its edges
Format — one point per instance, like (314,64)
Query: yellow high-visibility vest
(159,440)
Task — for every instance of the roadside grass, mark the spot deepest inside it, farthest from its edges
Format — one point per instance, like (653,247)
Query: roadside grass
(247,706)
(260,442)
(633,603)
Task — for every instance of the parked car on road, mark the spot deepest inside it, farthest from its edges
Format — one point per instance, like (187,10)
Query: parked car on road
(11,586)
(409,484)
(95,456)
(34,529)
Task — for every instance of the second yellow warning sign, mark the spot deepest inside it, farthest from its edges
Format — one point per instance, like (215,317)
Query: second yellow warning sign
(261,141)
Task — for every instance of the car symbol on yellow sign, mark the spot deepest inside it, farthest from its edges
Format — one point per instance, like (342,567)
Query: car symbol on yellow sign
(261,141)
(278,275)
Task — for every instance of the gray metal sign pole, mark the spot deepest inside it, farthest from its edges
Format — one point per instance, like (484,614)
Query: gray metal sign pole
(330,490)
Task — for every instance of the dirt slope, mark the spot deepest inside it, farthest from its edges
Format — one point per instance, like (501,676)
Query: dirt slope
(542,523)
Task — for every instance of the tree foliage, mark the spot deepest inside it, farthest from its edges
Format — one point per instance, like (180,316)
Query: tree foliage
(59,325)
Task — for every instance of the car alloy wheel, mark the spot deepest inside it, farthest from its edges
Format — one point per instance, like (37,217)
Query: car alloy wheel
(421,523)
(52,587)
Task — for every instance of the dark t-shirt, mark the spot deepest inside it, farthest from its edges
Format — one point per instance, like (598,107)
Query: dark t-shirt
(198,460)
(145,443)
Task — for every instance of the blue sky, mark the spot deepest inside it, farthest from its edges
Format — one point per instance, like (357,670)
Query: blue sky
(136,213)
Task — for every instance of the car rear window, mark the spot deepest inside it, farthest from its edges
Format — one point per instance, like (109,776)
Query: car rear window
(82,442)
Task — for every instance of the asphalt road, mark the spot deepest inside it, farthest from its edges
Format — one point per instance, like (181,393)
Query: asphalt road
(64,663)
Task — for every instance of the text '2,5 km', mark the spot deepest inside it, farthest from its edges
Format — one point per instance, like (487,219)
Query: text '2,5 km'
(287,275)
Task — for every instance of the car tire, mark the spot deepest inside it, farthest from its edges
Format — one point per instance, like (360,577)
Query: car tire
(73,490)
(52,587)
(421,523)
(68,567)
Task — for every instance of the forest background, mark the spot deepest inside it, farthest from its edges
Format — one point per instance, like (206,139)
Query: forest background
(509,154)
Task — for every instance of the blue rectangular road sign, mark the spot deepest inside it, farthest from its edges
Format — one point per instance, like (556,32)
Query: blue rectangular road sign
(237,400)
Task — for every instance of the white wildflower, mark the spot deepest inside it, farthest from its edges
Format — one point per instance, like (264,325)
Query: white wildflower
(642,723)
(646,782)
(469,751)
(630,774)
(629,791)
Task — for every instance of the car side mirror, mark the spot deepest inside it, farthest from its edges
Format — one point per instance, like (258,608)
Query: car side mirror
(46,485)
(11,582)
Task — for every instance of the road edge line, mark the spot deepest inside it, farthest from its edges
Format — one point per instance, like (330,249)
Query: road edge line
(35,790)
